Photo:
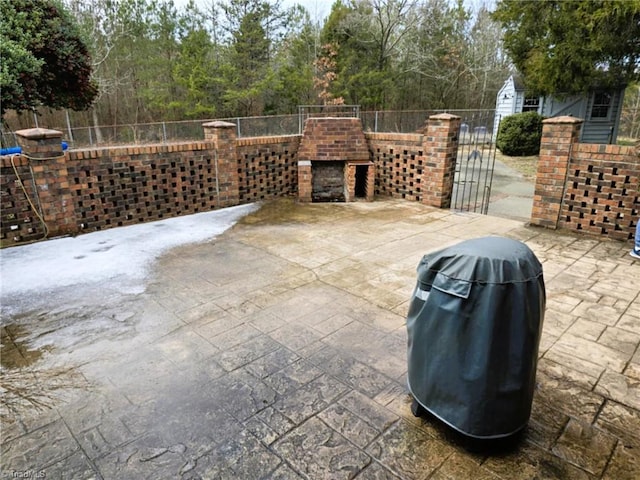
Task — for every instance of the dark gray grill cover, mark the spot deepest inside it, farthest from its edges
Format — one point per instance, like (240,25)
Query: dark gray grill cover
(474,326)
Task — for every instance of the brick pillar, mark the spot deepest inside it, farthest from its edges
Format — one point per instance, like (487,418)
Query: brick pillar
(223,137)
(48,162)
(371,182)
(350,172)
(349,182)
(558,136)
(440,150)
(305,187)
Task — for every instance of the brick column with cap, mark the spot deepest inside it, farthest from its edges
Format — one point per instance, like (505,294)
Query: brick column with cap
(223,136)
(43,148)
(305,186)
(440,151)
(559,134)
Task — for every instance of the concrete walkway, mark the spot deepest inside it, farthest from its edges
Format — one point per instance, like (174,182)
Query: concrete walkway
(279,351)
(511,193)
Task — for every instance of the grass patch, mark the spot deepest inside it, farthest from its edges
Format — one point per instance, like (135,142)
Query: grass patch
(527,166)
(627,141)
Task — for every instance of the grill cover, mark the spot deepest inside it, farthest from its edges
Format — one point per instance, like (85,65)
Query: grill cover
(473,327)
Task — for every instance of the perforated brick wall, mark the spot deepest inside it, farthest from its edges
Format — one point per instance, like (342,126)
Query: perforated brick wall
(267,167)
(418,167)
(399,160)
(18,220)
(602,193)
(590,188)
(583,187)
(113,187)
(94,189)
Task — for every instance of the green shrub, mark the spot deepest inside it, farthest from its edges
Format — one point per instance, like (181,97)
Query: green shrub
(519,134)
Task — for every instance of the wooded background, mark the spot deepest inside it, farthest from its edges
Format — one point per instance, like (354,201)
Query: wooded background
(155,61)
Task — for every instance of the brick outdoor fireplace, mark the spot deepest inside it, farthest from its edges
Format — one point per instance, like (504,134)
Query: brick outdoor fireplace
(334,162)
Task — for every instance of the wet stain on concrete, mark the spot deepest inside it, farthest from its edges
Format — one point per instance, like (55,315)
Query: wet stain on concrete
(16,353)
(25,384)
(283,210)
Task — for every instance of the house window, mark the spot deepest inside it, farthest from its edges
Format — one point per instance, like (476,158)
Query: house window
(601,104)
(531,104)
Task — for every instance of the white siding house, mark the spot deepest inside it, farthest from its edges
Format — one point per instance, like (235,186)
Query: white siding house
(600,109)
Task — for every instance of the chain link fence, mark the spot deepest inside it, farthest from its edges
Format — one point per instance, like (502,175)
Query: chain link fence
(191,130)
(399,121)
(7,139)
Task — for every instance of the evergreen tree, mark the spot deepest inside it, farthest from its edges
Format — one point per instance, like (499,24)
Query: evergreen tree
(253,28)
(294,65)
(358,79)
(193,74)
(569,47)
(44,59)
(155,71)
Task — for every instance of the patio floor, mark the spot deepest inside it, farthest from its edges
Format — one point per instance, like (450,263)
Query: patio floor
(278,350)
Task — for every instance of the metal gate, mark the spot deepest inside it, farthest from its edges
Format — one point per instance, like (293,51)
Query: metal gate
(474,166)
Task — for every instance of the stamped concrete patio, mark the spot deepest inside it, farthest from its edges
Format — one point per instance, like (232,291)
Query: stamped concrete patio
(278,350)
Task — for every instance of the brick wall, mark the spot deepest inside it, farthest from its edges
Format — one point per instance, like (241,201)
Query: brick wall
(400,161)
(589,188)
(18,222)
(585,187)
(267,167)
(602,191)
(94,189)
(441,148)
(333,139)
(119,186)
(333,147)
(418,167)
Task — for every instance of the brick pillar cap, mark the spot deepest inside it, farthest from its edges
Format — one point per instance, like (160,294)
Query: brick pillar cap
(38,133)
(330,118)
(219,124)
(563,119)
(444,116)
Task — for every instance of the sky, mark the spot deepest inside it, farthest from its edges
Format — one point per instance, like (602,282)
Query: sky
(320,9)
(121,256)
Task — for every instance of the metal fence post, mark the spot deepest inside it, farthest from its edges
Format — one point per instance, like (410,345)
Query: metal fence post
(66,112)
(300,113)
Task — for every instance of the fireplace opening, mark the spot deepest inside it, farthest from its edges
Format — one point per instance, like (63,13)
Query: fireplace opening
(361,181)
(327,181)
